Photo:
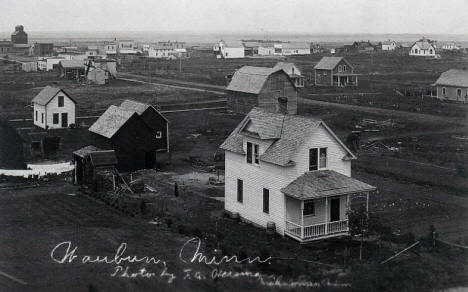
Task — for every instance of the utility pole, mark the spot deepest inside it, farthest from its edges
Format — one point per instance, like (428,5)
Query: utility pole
(180,62)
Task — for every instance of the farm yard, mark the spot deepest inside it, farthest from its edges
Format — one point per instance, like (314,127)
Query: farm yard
(413,148)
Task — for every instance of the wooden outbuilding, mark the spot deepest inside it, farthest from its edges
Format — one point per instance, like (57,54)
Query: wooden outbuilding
(261,87)
(128,135)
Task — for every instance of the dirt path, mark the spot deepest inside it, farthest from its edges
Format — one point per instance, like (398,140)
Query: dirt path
(414,117)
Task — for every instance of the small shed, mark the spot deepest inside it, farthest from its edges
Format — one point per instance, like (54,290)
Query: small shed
(88,160)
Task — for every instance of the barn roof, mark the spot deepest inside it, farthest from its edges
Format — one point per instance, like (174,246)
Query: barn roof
(288,131)
(111,121)
(46,95)
(250,79)
(329,63)
(324,183)
(138,107)
(453,77)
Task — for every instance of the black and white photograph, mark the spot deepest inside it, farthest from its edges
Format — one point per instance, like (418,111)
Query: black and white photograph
(242,145)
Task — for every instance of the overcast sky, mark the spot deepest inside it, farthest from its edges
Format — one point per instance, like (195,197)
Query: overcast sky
(301,16)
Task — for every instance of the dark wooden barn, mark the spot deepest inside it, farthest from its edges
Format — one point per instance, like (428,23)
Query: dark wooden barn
(261,87)
(125,132)
(154,119)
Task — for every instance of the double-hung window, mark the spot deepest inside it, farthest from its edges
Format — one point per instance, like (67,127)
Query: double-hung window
(55,118)
(240,190)
(60,101)
(309,208)
(253,153)
(266,201)
(317,158)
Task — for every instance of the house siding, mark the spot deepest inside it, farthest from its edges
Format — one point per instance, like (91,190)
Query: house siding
(274,178)
(157,123)
(40,109)
(451,93)
(52,107)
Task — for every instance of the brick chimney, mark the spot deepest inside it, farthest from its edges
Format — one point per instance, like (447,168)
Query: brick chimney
(282,105)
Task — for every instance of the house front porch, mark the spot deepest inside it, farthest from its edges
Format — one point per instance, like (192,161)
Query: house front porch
(317,204)
(345,79)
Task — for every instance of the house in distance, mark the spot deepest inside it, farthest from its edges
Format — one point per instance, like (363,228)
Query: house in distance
(293,71)
(263,87)
(423,48)
(53,108)
(453,85)
(335,71)
(292,172)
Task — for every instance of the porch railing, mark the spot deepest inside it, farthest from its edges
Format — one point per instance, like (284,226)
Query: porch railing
(316,230)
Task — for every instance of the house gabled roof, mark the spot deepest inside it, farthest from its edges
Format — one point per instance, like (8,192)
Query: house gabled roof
(289,132)
(329,63)
(286,67)
(139,107)
(111,121)
(324,183)
(423,44)
(46,95)
(250,79)
(453,77)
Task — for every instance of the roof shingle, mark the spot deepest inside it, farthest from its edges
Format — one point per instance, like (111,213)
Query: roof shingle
(111,121)
(324,183)
(453,77)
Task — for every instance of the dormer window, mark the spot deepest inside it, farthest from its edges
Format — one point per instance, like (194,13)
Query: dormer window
(253,153)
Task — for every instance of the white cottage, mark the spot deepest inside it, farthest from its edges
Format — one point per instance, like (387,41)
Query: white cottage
(229,50)
(292,171)
(423,48)
(389,45)
(53,108)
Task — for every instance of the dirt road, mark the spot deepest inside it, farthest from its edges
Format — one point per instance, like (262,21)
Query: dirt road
(410,116)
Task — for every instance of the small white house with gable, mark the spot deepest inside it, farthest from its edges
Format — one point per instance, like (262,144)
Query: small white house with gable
(423,48)
(292,171)
(53,109)
(389,45)
(229,50)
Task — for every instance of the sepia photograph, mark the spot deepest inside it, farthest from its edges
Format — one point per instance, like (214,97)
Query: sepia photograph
(229,146)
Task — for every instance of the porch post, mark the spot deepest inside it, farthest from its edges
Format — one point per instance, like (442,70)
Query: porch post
(326,215)
(367,202)
(302,219)
(348,208)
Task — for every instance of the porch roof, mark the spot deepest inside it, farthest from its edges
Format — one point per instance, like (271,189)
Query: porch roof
(324,183)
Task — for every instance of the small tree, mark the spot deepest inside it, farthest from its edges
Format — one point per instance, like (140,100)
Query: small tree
(358,221)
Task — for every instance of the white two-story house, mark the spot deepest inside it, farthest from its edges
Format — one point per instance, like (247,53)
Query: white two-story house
(292,171)
(53,108)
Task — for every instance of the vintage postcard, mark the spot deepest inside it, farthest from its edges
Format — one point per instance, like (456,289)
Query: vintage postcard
(215,145)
